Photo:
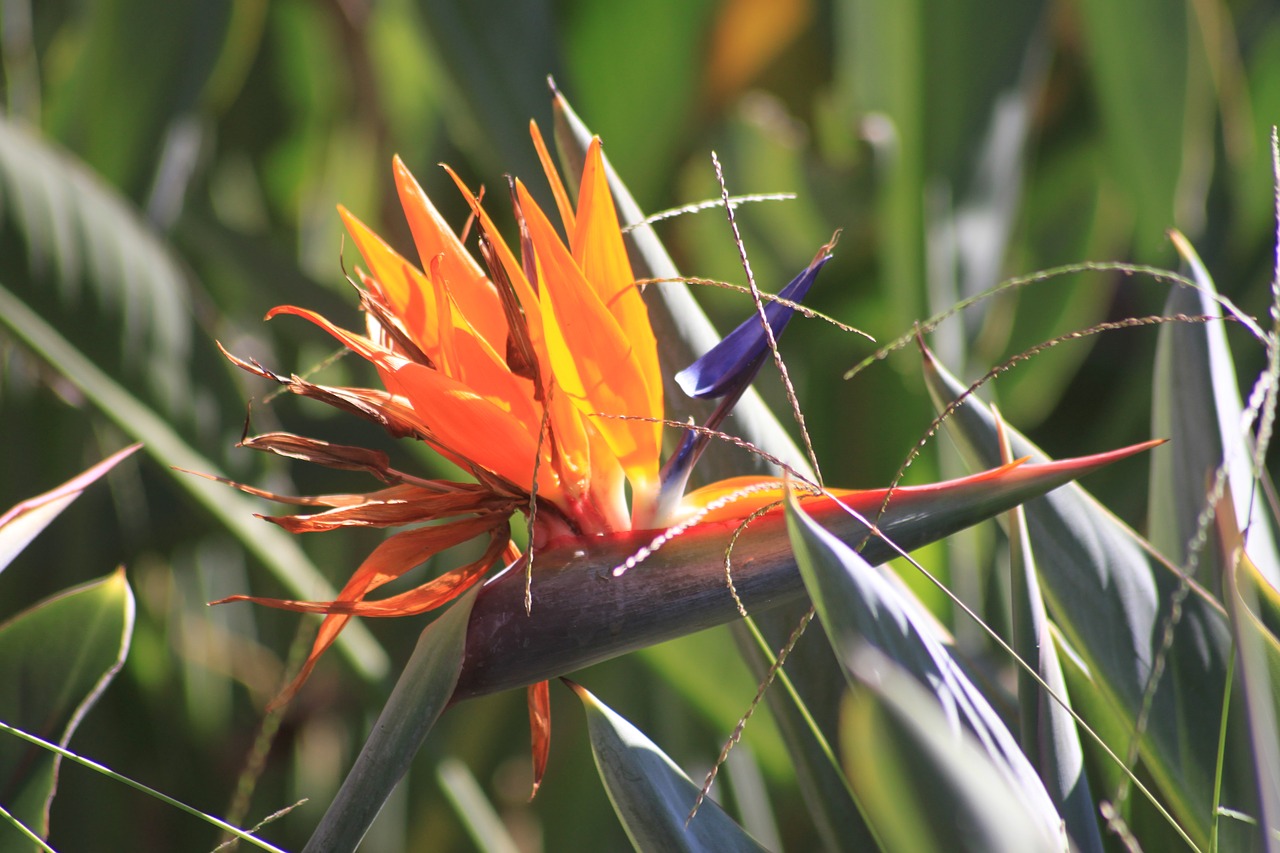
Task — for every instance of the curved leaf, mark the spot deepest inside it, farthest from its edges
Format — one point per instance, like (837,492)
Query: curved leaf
(1049,735)
(24,521)
(419,698)
(861,608)
(1196,403)
(651,795)
(1249,597)
(84,242)
(56,658)
(927,784)
(1111,601)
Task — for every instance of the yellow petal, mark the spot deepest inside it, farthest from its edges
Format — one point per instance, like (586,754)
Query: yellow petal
(601,255)
(475,294)
(591,357)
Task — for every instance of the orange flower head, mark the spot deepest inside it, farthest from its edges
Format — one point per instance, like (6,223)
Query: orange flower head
(538,374)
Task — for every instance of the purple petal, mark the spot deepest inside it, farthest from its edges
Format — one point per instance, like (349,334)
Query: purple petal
(731,364)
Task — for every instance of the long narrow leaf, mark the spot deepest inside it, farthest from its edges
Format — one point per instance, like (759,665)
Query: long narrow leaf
(419,698)
(651,795)
(1196,403)
(1112,602)
(1049,735)
(859,608)
(928,784)
(24,521)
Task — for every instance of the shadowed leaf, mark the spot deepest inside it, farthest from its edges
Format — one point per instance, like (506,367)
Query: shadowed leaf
(860,608)
(56,658)
(927,784)
(651,795)
(1111,601)
(419,698)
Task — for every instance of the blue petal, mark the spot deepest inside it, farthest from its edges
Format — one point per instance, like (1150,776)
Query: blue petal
(731,364)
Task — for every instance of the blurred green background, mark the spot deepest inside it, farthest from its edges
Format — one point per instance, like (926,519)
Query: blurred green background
(169,171)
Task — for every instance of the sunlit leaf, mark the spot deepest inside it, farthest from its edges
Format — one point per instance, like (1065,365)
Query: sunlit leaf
(928,784)
(1250,596)
(1111,601)
(651,795)
(1048,732)
(1196,403)
(56,658)
(24,521)
(858,608)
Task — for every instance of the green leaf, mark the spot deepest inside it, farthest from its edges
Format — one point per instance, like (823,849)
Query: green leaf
(651,795)
(1250,598)
(928,784)
(1111,601)
(114,110)
(860,608)
(1048,732)
(420,696)
(24,521)
(498,71)
(1143,92)
(277,550)
(80,235)
(1196,404)
(474,809)
(56,658)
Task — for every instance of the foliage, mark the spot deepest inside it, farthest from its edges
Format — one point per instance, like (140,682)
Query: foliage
(169,171)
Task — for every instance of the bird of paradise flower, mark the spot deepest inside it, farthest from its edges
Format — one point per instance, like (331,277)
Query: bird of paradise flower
(539,377)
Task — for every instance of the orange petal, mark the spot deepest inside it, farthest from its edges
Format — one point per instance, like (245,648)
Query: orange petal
(539,698)
(592,358)
(566,421)
(402,285)
(601,255)
(553,178)
(395,556)
(499,394)
(475,294)
(472,426)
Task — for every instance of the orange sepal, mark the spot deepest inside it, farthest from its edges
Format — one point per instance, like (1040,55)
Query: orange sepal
(473,427)
(602,256)
(553,178)
(591,357)
(475,294)
(400,284)
(391,559)
(539,699)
